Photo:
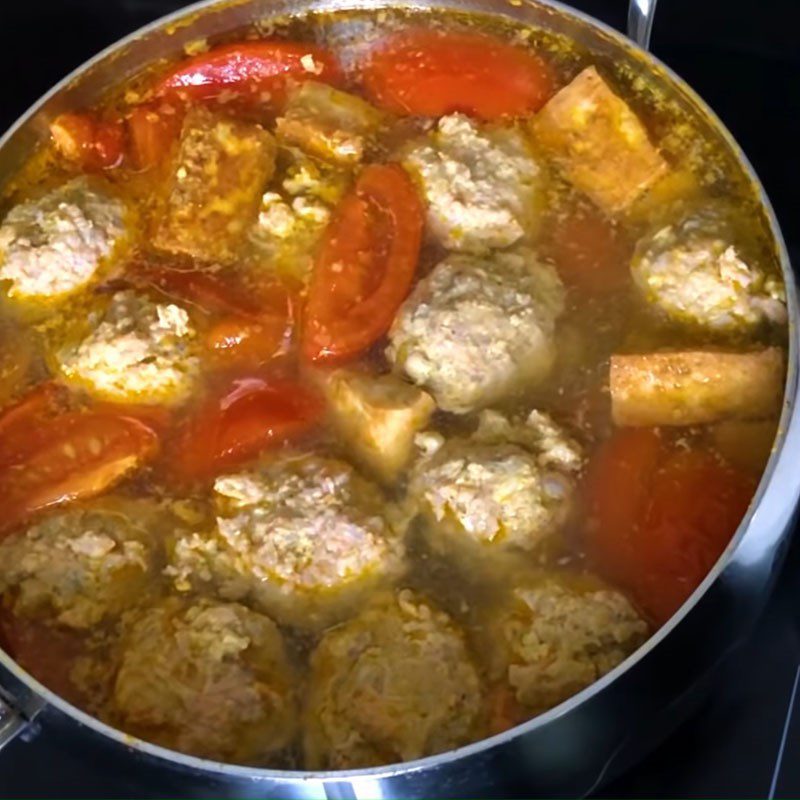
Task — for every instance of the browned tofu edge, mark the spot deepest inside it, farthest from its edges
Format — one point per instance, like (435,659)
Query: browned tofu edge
(695,387)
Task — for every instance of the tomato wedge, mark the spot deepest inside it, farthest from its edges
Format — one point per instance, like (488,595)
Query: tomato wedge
(590,253)
(22,424)
(660,516)
(431,73)
(236,341)
(152,131)
(89,141)
(233,425)
(365,265)
(253,327)
(254,72)
(76,455)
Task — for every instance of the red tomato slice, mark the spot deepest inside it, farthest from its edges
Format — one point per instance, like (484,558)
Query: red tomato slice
(152,130)
(21,425)
(234,425)
(432,73)
(235,341)
(365,265)
(618,480)
(250,71)
(660,517)
(695,506)
(590,252)
(89,141)
(78,455)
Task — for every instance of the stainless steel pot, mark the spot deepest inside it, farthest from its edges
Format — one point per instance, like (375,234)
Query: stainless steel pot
(574,747)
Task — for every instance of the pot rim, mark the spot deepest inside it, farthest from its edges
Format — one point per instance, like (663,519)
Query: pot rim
(780,455)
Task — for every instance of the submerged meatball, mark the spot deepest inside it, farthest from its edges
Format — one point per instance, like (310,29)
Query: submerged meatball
(691,273)
(480,184)
(475,330)
(394,684)
(205,678)
(140,351)
(82,565)
(507,488)
(54,245)
(559,633)
(303,537)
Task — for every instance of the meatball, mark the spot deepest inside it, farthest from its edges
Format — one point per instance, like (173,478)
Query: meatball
(140,351)
(54,245)
(695,276)
(480,184)
(394,684)
(209,679)
(558,633)
(83,565)
(476,330)
(507,488)
(303,538)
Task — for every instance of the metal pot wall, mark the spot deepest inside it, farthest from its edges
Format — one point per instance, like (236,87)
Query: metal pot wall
(575,746)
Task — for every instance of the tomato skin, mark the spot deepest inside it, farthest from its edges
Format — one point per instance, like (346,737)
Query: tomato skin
(236,341)
(589,252)
(660,517)
(696,505)
(246,416)
(617,484)
(152,131)
(91,142)
(21,424)
(365,265)
(249,327)
(212,294)
(76,455)
(250,70)
(432,73)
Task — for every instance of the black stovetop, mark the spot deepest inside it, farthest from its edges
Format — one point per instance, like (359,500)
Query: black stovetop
(744,59)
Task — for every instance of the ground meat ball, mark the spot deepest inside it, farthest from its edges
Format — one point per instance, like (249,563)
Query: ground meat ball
(480,184)
(140,351)
(81,566)
(559,633)
(394,684)
(303,538)
(54,245)
(509,487)
(695,276)
(475,330)
(208,679)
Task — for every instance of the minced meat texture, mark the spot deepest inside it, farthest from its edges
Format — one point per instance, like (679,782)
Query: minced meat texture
(303,537)
(81,566)
(210,679)
(395,683)
(558,634)
(476,330)
(480,183)
(54,245)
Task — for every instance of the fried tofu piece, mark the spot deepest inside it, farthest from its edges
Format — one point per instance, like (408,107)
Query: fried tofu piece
(378,418)
(328,123)
(221,169)
(598,143)
(695,387)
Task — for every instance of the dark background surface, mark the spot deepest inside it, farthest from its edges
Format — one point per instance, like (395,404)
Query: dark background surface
(744,59)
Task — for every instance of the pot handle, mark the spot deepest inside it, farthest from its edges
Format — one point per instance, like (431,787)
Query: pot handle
(640,21)
(12,722)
